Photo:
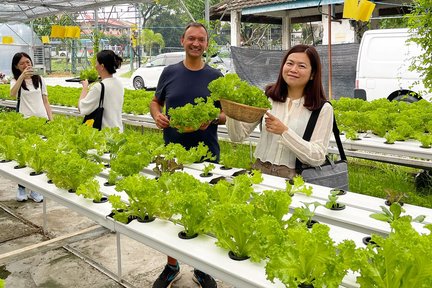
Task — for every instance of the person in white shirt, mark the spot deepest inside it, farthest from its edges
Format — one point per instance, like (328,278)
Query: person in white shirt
(107,62)
(297,92)
(32,100)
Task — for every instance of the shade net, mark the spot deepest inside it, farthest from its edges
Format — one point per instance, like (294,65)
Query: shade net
(261,67)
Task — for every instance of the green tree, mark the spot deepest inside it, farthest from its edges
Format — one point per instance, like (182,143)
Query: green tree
(149,38)
(420,23)
(42,26)
(391,23)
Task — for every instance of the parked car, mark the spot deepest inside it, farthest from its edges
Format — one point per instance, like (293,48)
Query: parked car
(147,77)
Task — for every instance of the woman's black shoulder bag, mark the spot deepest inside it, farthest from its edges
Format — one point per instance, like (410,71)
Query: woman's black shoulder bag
(94,119)
(333,174)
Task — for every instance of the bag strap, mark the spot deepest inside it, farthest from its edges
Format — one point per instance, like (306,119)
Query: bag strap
(309,130)
(18,100)
(101,100)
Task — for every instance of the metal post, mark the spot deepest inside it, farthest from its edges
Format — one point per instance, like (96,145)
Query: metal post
(45,221)
(119,266)
(329,53)
(207,13)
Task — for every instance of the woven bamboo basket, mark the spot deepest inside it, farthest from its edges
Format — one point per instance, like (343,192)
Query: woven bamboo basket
(242,112)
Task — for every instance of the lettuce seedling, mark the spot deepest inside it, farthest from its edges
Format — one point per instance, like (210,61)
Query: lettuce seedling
(189,199)
(146,197)
(402,259)
(91,190)
(309,257)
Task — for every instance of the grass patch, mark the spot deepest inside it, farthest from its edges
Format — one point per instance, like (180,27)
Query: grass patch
(371,178)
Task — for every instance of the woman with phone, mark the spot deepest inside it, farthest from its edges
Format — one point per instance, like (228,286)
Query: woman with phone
(32,100)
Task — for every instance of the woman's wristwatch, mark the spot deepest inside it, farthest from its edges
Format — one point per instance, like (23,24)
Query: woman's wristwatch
(215,121)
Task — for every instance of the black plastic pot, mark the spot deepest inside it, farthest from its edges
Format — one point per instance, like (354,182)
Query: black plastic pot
(5,161)
(107,184)
(237,258)
(338,207)
(341,191)
(102,200)
(368,241)
(146,219)
(33,173)
(71,191)
(130,218)
(19,167)
(305,285)
(387,202)
(50,181)
(183,235)
(240,172)
(217,179)
(310,223)
(225,168)
(206,175)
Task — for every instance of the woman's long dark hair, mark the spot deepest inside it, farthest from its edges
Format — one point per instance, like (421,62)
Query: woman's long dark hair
(314,91)
(36,79)
(110,60)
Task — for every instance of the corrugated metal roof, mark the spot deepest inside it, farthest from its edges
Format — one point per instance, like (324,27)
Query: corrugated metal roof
(24,11)
(240,4)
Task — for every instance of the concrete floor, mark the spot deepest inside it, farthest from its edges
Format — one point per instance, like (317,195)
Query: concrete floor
(26,261)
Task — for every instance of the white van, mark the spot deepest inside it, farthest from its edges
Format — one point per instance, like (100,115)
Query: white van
(383,65)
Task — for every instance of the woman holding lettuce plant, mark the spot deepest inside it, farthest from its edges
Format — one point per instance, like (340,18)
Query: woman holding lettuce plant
(297,92)
(32,100)
(107,62)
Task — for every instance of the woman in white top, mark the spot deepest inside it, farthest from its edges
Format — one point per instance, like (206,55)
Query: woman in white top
(106,64)
(297,92)
(31,91)
(31,88)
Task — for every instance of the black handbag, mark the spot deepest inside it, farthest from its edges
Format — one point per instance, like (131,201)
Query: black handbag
(333,174)
(94,119)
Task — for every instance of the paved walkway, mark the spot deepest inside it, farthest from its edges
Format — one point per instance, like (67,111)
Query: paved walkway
(65,266)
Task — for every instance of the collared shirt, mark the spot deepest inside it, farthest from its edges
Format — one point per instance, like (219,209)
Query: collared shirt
(284,149)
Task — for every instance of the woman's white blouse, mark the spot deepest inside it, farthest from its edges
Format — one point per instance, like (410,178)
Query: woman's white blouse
(113,102)
(31,101)
(284,149)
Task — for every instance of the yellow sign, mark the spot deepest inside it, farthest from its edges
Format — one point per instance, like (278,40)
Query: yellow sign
(45,40)
(350,9)
(365,9)
(359,11)
(58,31)
(7,40)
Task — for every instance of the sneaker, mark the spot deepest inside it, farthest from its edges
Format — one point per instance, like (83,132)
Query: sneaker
(36,197)
(168,276)
(203,280)
(21,194)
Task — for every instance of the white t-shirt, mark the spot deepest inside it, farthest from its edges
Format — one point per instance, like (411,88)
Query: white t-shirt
(31,101)
(284,149)
(113,102)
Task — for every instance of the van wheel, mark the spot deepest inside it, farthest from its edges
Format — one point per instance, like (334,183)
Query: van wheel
(405,96)
(138,83)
